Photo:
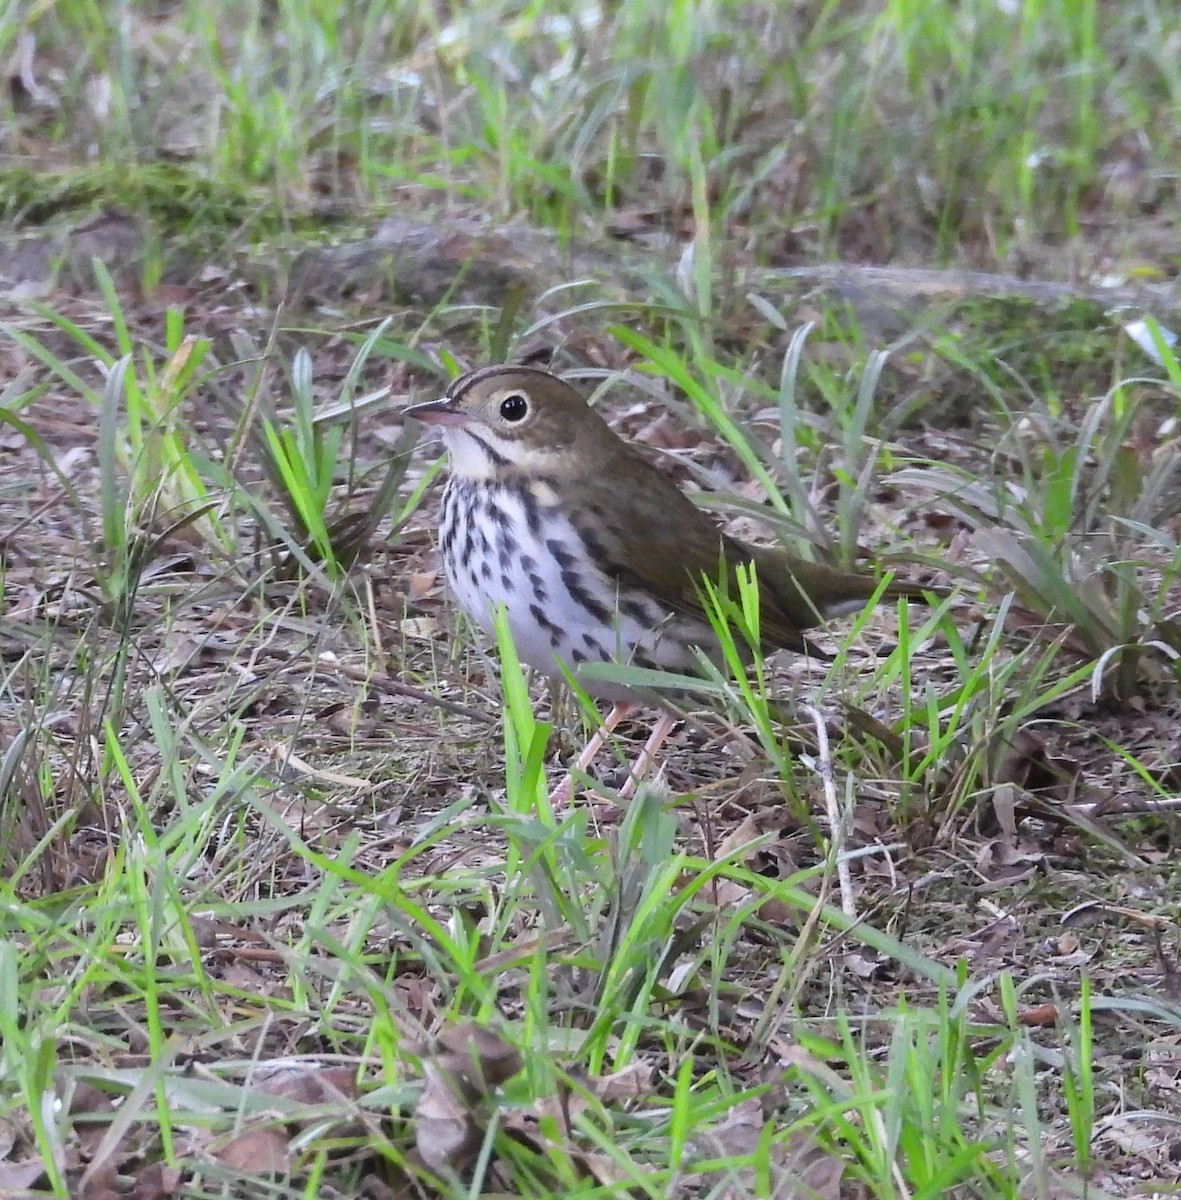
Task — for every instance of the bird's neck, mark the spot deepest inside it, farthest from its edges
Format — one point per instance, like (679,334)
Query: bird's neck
(483,458)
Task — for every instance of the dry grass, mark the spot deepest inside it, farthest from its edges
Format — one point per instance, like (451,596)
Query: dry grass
(284,910)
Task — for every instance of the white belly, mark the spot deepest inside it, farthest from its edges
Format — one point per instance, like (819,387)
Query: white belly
(561,606)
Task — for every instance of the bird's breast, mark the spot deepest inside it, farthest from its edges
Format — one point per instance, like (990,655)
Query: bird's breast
(504,544)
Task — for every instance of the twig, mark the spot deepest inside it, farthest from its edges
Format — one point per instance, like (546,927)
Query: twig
(1128,808)
(392,687)
(836,821)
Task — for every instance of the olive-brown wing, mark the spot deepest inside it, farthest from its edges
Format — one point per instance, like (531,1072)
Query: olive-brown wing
(661,541)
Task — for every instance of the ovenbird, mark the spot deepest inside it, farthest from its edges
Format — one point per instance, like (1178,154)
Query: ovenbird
(597,556)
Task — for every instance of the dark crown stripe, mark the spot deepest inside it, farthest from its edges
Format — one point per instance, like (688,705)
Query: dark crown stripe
(458,388)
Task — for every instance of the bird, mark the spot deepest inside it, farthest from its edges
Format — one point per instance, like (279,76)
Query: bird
(596,555)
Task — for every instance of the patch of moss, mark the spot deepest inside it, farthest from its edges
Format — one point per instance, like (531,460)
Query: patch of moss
(174,198)
(971,348)
(1067,346)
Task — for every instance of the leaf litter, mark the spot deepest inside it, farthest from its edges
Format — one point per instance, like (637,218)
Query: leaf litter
(356,746)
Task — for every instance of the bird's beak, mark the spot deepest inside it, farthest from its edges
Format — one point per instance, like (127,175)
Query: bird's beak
(437,412)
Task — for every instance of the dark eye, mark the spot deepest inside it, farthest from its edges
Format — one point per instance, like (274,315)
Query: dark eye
(514,407)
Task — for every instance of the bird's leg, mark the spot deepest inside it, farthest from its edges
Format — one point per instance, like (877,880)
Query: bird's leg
(564,792)
(647,757)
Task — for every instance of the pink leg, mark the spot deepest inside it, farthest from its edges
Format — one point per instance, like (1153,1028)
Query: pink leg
(643,764)
(564,792)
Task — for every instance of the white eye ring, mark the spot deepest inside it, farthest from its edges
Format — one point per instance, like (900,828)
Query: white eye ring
(514,407)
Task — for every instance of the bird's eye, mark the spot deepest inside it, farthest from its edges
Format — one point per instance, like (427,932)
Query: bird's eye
(514,407)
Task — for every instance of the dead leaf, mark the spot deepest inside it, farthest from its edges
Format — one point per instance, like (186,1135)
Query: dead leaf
(18,1177)
(244,977)
(994,937)
(863,966)
(799,1167)
(1003,862)
(420,585)
(261,1150)
(311,1086)
(100,1182)
(1026,766)
(739,1134)
(477,1056)
(426,628)
(448,1126)
(804,1171)
(633,1081)
(90,1107)
(740,838)
(1064,946)
(728,893)
(527,1130)
(446,1134)
(155,1182)
(1042,1015)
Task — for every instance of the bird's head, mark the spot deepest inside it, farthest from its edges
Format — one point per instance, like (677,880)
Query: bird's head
(505,419)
